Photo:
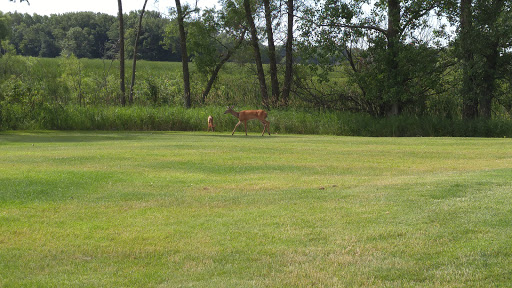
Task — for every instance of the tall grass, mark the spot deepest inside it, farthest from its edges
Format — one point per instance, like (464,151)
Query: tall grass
(94,82)
(293,121)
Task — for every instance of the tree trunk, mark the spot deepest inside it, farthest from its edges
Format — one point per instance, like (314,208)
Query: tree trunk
(214,75)
(220,64)
(257,54)
(121,52)
(135,51)
(289,56)
(468,91)
(488,88)
(393,36)
(271,52)
(80,95)
(184,55)
(492,55)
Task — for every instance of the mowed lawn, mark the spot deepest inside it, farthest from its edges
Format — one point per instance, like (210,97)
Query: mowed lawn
(165,209)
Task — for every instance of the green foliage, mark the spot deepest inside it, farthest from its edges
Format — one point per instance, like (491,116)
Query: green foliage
(214,36)
(392,68)
(151,42)
(80,94)
(23,95)
(7,48)
(4,26)
(87,35)
(401,64)
(202,45)
(337,10)
(77,42)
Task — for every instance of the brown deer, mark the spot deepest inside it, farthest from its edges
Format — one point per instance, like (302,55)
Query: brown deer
(244,116)
(210,124)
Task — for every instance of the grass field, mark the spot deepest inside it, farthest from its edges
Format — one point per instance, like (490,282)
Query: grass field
(142,209)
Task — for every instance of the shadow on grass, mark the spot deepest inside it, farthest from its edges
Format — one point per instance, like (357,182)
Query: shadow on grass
(242,135)
(31,137)
(69,137)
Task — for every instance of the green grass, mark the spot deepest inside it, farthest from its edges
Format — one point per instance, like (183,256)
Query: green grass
(168,209)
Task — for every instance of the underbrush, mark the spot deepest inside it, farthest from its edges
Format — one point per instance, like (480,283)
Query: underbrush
(292,121)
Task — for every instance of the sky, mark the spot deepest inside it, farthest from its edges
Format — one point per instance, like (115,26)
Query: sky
(47,7)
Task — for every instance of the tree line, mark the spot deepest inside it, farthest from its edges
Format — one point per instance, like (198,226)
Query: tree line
(87,35)
(449,58)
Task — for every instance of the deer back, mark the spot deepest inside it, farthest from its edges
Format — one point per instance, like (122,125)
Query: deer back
(252,114)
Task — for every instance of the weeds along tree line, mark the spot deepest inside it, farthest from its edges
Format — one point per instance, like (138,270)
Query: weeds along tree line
(435,59)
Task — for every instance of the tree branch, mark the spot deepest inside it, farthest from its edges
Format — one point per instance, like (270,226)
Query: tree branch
(411,16)
(367,27)
(349,26)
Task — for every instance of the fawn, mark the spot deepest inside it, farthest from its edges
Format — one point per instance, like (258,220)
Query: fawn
(210,124)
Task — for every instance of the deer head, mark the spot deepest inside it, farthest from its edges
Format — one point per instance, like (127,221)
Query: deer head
(229,110)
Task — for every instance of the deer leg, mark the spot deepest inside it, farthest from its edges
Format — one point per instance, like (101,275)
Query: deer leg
(245,125)
(264,126)
(235,127)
